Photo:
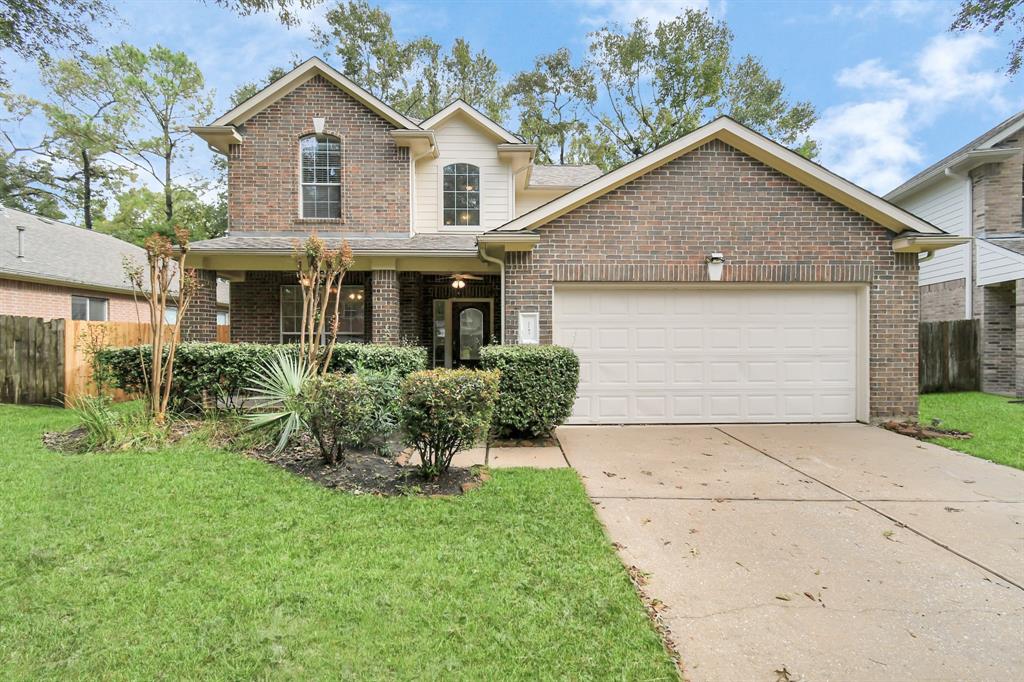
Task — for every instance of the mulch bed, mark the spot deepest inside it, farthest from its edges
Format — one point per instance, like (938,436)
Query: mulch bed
(368,473)
(72,441)
(922,432)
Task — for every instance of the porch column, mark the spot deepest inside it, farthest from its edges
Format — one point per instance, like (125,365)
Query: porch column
(1020,338)
(384,324)
(200,320)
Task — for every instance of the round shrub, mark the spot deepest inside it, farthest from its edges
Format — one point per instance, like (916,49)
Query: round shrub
(538,387)
(444,411)
(338,412)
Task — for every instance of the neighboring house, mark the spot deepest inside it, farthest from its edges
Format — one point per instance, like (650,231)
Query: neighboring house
(976,191)
(461,240)
(53,270)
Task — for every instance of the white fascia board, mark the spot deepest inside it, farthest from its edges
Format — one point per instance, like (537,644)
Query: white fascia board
(299,75)
(459,106)
(920,243)
(218,137)
(1004,134)
(753,144)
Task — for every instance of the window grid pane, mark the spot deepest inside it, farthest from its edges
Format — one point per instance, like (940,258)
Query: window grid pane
(461,189)
(321,177)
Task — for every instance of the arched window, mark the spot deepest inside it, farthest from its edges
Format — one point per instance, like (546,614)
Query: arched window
(321,176)
(461,194)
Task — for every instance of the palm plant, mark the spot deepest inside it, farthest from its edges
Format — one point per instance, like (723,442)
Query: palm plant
(276,393)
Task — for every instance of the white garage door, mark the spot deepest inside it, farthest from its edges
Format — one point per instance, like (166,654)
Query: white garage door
(677,355)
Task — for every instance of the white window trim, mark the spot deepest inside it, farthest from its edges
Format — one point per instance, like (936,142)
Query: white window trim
(341,170)
(88,308)
(440,199)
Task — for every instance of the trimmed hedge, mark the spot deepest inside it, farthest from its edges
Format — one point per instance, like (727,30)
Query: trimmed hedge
(538,387)
(223,371)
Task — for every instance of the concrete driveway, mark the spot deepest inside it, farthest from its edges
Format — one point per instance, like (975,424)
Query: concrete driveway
(816,552)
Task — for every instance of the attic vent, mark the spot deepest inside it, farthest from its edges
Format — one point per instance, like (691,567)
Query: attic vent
(234,151)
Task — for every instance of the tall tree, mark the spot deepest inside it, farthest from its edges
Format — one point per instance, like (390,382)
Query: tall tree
(24,186)
(552,101)
(167,93)
(996,15)
(660,84)
(85,123)
(412,76)
(140,213)
(34,29)
(474,79)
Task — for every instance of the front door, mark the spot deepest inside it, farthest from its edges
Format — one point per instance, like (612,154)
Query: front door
(471,331)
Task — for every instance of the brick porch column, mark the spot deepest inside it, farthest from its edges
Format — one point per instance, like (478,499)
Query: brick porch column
(384,324)
(200,320)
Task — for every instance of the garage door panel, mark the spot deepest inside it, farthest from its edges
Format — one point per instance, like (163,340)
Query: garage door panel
(674,355)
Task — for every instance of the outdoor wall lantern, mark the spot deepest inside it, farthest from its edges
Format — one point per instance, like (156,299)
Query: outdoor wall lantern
(716,263)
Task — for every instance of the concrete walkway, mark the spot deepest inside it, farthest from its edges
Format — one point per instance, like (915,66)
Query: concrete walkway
(818,552)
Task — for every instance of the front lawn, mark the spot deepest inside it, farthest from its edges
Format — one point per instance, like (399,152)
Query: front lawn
(997,424)
(197,563)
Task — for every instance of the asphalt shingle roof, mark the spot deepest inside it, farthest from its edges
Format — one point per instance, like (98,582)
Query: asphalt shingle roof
(361,242)
(563,176)
(66,254)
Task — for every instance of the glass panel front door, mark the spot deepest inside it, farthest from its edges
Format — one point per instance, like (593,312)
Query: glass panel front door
(471,331)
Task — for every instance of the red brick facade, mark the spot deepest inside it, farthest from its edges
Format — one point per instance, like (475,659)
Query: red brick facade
(660,227)
(200,320)
(50,301)
(384,295)
(263,171)
(943,301)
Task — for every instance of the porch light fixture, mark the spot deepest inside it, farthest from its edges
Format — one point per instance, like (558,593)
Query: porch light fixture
(716,263)
(458,284)
(355,296)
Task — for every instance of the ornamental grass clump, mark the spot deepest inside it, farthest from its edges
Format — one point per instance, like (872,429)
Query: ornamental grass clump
(445,411)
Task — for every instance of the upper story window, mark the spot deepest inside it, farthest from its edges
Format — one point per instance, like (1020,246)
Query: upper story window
(321,176)
(461,194)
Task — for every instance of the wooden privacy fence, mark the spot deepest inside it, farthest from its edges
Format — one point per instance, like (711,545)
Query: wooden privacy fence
(948,356)
(31,360)
(50,362)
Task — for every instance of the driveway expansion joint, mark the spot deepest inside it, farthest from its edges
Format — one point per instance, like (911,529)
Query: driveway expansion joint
(864,503)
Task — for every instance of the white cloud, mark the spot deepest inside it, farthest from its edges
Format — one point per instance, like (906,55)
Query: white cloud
(600,12)
(904,10)
(874,139)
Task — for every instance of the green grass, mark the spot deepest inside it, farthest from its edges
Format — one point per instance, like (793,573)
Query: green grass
(192,562)
(997,424)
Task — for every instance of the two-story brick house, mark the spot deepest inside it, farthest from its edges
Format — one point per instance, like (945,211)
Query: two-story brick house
(977,192)
(719,278)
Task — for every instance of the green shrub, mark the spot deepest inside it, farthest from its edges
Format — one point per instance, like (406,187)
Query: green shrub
(538,387)
(382,391)
(339,413)
(444,411)
(221,372)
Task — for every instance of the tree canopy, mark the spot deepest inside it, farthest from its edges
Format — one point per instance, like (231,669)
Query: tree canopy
(997,15)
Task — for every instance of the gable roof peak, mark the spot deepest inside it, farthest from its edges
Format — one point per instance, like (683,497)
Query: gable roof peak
(483,120)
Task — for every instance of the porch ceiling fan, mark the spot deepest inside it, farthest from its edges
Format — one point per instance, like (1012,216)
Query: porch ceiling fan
(459,279)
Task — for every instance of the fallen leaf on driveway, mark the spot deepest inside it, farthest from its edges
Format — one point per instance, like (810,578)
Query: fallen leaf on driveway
(608,474)
(783,597)
(953,509)
(783,675)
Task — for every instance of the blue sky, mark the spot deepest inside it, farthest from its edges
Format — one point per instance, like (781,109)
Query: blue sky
(894,90)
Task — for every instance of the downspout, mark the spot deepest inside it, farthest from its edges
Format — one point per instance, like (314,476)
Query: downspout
(501,299)
(928,255)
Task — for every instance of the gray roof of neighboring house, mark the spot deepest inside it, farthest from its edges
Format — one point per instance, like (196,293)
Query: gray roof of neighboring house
(65,254)
(1015,243)
(563,176)
(974,144)
(361,242)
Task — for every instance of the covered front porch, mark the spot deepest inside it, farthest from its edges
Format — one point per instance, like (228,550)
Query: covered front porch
(448,303)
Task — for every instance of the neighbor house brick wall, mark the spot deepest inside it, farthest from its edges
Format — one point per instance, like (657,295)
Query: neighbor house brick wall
(943,301)
(999,339)
(263,171)
(660,227)
(256,304)
(50,301)
(199,323)
(996,193)
(385,309)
